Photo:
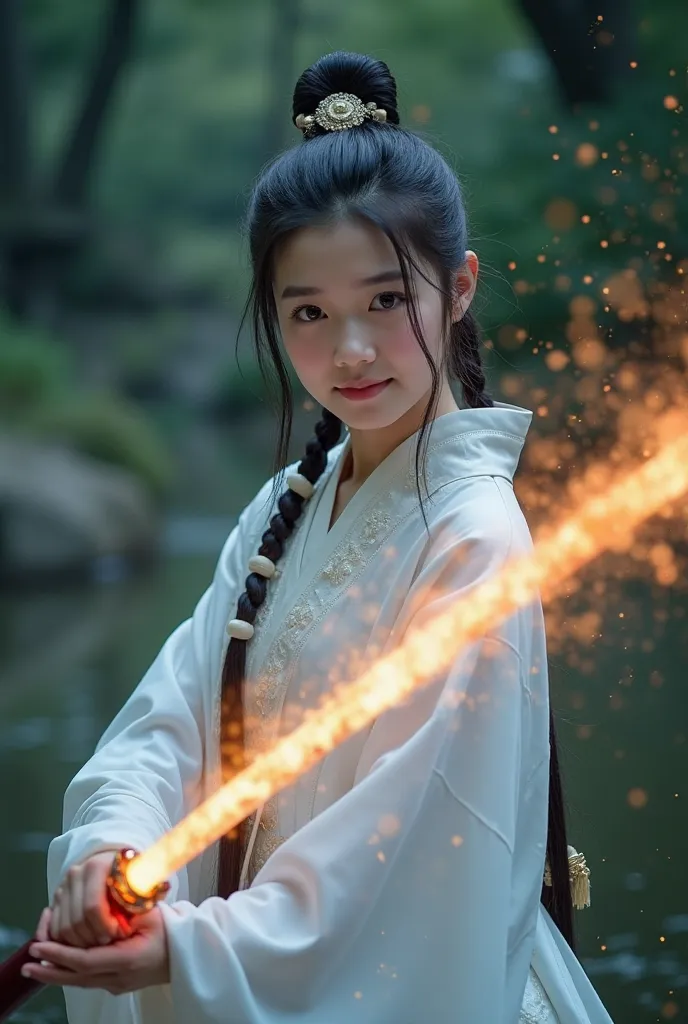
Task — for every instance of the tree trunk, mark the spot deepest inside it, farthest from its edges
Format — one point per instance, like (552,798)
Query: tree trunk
(39,235)
(285,25)
(590,57)
(14,108)
(77,164)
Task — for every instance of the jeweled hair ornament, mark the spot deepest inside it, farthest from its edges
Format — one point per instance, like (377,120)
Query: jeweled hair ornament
(338,111)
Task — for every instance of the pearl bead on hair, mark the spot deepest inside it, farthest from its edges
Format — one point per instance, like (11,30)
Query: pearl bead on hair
(239,629)
(263,566)
(298,483)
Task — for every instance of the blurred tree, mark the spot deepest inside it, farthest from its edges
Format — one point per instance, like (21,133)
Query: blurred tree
(41,228)
(76,166)
(284,33)
(589,43)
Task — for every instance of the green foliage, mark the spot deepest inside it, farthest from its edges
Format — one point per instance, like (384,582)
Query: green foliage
(39,395)
(108,429)
(33,370)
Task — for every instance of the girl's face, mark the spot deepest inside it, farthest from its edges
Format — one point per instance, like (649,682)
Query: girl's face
(343,318)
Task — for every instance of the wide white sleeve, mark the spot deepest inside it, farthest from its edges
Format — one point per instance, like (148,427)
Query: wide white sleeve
(147,766)
(393,904)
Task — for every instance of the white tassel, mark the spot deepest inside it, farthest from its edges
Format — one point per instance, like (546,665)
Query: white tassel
(579,878)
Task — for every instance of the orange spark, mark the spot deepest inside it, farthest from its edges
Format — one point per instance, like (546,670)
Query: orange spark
(604,520)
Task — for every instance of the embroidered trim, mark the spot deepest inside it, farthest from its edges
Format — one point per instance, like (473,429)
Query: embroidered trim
(267,839)
(536,1009)
(352,555)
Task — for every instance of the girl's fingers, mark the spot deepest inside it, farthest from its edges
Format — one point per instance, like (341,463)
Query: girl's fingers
(116,959)
(96,909)
(72,930)
(43,927)
(54,923)
(52,975)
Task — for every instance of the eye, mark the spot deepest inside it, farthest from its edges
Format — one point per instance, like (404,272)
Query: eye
(389,299)
(308,319)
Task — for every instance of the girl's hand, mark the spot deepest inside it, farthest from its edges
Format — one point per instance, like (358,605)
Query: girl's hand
(81,915)
(125,966)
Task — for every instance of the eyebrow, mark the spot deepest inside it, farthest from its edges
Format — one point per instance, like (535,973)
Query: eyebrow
(294,291)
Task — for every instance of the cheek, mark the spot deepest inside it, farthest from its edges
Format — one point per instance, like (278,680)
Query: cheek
(310,360)
(405,352)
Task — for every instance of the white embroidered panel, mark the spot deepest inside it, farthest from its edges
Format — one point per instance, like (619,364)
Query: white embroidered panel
(536,1009)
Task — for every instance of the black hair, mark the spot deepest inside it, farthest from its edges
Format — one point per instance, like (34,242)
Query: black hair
(379,174)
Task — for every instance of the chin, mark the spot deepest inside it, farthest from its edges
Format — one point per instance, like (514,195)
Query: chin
(373,416)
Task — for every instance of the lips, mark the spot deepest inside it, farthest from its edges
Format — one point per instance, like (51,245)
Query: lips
(360,390)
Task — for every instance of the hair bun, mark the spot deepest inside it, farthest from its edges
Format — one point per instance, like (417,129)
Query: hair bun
(365,77)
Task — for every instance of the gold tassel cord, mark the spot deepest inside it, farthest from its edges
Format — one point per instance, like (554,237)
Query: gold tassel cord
(579,879)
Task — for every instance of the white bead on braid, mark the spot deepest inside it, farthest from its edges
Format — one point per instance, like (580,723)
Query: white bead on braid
(297,483)
(240,629)
(263,566)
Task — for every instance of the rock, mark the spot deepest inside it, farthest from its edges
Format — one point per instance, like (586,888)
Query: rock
(60,511)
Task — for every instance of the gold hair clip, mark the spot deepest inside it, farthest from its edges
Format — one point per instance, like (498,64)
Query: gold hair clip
(579,877)
(338,111)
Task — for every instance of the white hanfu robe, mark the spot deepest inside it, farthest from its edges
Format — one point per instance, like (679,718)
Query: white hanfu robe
(399,880)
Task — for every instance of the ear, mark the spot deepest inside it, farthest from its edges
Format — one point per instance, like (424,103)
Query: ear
(464,286)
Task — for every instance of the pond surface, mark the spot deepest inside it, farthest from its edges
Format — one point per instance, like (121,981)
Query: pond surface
(69,658)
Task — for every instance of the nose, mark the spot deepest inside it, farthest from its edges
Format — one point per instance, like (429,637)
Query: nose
(353,347)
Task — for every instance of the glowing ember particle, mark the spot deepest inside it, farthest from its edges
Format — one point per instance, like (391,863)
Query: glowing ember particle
(637,798)
(670,102)
(589,354)
(541,258)
(553,129)
(634,63)
(389,824)
(588,279)
(587,154)
(512,265)
(556,360)
(555,156)
(585,219)
(670,1010)
(358,995)
(421,113)
(380,856)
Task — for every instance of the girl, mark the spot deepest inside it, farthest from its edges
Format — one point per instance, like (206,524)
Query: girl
(401,880)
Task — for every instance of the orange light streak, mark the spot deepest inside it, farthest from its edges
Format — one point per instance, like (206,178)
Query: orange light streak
(603,521)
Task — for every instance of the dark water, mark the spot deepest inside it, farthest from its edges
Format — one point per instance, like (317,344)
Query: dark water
(69,659)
